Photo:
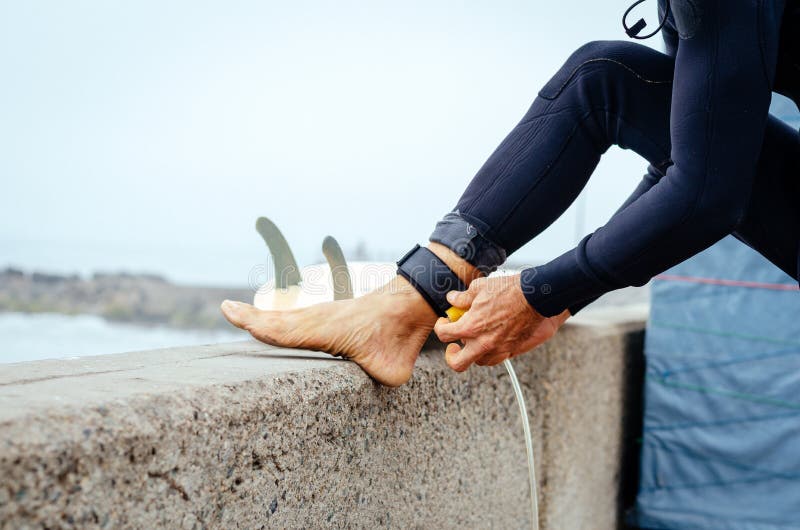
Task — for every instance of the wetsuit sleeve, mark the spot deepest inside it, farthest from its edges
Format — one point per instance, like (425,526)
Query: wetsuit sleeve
(724,68)
(650,179)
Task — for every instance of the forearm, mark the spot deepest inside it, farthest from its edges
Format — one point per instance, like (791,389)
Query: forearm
(626,252)
(649,180)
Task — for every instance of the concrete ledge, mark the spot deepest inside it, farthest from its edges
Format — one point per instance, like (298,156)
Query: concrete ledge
(246,436)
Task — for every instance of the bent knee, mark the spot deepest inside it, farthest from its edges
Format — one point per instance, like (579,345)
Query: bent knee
(608,61)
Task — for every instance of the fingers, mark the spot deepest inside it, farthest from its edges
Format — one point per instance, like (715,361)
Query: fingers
(452,331)
(453,357)
(459,358)
(464,299)
(493,359)
(461,329)
(450,353)
(461,299)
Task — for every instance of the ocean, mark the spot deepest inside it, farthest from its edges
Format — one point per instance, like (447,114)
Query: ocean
(30,337)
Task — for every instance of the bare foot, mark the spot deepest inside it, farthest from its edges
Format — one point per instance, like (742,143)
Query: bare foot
(383,331)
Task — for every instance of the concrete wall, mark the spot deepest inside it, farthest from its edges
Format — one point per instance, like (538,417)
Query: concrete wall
(246,436)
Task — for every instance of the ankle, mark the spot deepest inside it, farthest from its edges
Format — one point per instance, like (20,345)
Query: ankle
(408,303)
(461,267)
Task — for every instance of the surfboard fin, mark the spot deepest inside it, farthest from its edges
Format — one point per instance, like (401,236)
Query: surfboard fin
(342,284)
(286,271)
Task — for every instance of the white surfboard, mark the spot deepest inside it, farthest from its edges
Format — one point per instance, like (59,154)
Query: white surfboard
(335,280)
(300,287)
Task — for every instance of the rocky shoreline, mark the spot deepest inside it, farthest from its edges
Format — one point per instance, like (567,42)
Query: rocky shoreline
(150,299)
(146,299)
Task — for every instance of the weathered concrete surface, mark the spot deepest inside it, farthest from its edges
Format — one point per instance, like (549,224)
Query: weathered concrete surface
(246,436)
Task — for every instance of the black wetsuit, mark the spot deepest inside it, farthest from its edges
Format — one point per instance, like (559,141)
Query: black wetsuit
(718,163)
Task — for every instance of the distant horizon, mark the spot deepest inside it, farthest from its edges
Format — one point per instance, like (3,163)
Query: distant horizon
(200,278)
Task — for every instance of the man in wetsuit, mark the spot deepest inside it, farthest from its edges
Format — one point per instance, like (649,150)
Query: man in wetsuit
(719,164)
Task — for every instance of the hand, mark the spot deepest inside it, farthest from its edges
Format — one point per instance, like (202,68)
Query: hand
(499,323)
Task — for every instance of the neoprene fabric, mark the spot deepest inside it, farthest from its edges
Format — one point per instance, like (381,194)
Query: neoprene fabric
(721,441)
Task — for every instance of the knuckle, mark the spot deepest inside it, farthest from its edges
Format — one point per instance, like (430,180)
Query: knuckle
(476,285)
(471,330)
(458,366)
(485,347)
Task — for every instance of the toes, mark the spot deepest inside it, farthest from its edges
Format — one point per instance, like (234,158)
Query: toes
(239,314)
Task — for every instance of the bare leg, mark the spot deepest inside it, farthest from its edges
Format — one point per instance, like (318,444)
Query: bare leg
(383,332)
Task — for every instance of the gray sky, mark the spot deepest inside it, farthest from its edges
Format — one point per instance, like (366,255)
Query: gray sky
(149,135)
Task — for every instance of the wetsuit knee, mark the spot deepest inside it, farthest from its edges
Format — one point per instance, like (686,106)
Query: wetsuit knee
(596,65)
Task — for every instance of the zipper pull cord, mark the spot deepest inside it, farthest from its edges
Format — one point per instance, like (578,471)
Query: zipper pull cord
(633,31)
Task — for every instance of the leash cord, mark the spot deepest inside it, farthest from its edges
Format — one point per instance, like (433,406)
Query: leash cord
(526,427)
